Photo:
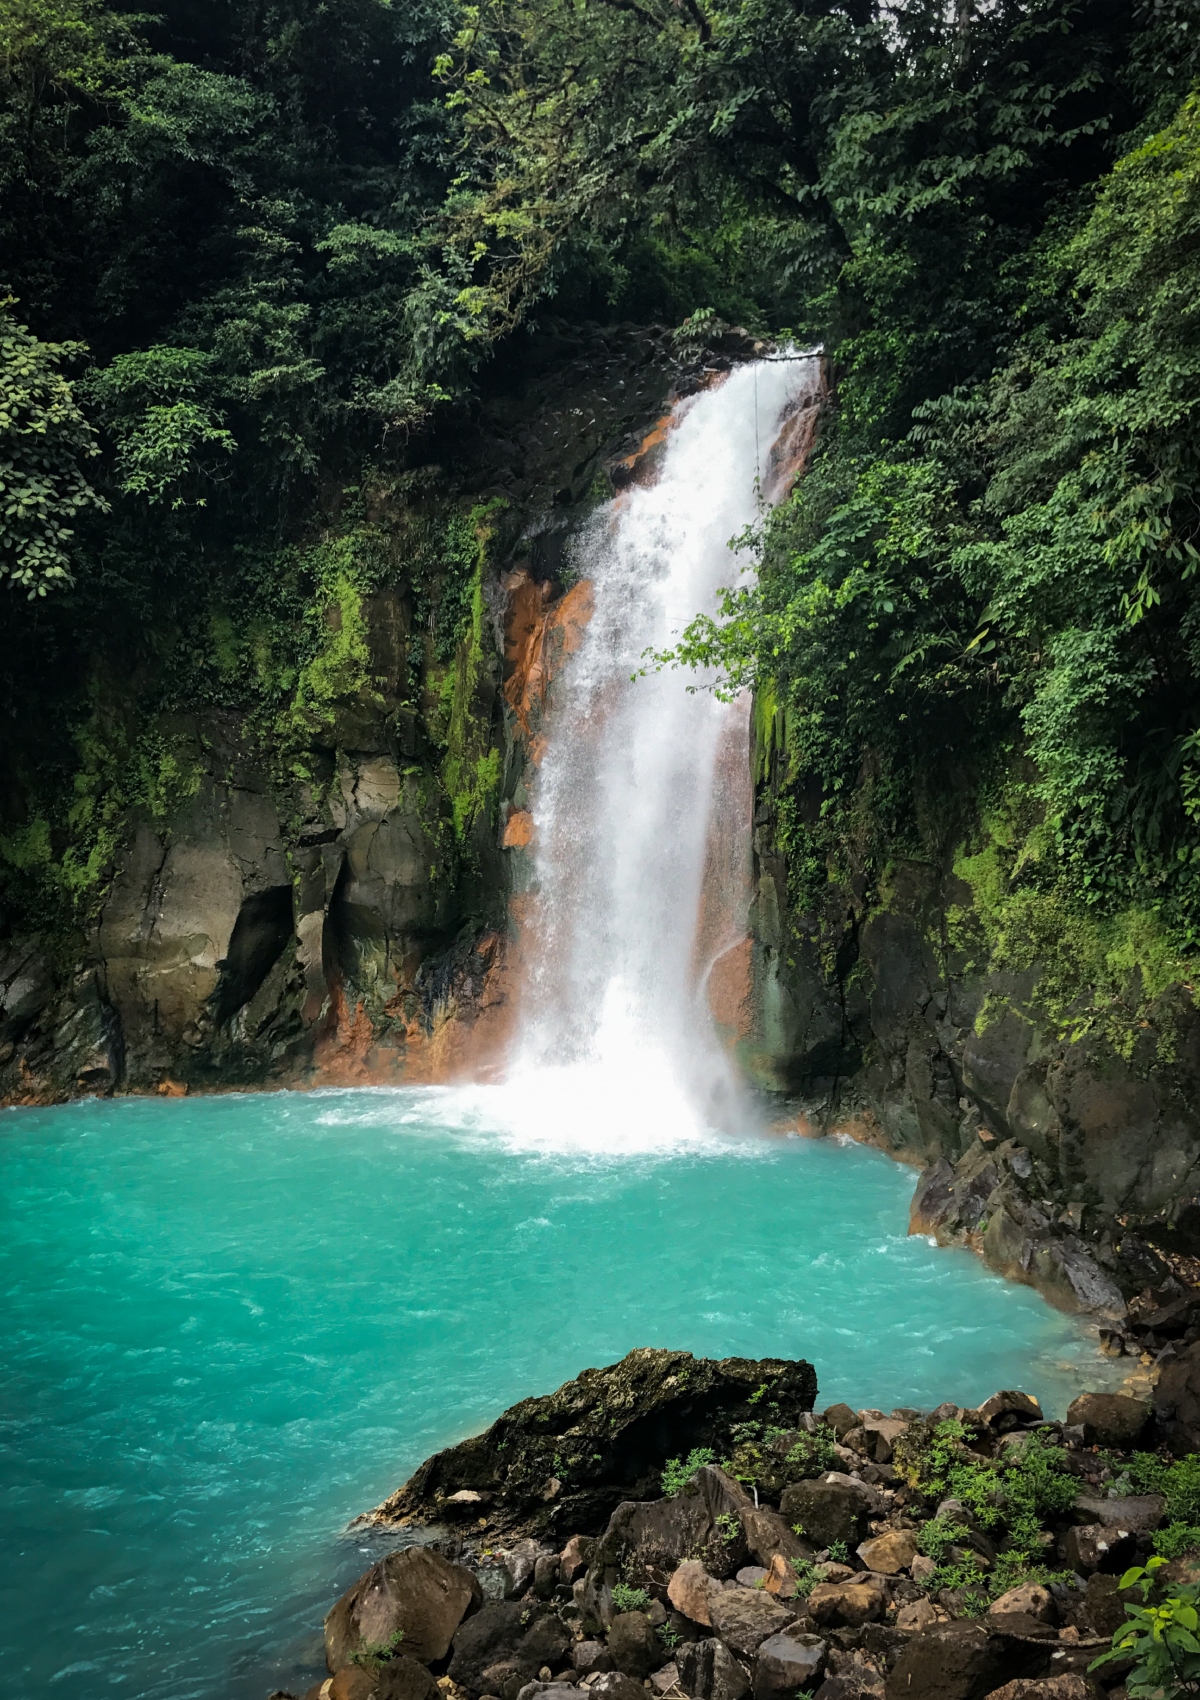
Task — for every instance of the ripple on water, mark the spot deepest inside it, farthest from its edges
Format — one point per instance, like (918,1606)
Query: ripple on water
(233,1322)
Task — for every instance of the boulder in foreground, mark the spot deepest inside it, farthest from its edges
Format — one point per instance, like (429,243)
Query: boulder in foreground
(565,1461)
(413,1600)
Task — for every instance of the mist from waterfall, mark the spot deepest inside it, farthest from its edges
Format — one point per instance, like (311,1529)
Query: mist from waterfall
(642,801)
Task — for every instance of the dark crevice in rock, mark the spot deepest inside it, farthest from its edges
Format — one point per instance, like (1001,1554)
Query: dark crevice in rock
(261,934)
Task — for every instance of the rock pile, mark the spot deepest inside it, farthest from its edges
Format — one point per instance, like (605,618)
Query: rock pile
(903,1555)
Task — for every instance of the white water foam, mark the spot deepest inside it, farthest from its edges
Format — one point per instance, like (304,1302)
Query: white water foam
(617,1050)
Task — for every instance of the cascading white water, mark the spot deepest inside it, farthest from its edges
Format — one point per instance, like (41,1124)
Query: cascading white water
(630,800)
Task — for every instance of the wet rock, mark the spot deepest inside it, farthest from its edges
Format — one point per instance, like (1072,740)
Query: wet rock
(589,1656)
(786,1663)
(688,1591)
(608,1425)
(1109,1419)
(404,1679)
(634,1646)
(709,1671)
(745,1617)
(847,1603)
(889,1553)
(1009,1409)
(504,1642)
(829,1510)
(1096,1546)
(415,1594)
(1029,1600)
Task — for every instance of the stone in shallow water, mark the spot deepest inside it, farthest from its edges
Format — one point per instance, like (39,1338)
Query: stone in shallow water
(414,1595)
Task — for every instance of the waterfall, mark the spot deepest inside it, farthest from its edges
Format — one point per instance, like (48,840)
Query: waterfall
(641,804)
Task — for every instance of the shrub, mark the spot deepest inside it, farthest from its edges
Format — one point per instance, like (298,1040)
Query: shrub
(679,1473)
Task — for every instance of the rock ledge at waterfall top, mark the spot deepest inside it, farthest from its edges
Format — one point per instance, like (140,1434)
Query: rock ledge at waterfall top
(800,1564)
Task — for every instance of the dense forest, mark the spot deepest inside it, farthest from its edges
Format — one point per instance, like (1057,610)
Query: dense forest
(252,249)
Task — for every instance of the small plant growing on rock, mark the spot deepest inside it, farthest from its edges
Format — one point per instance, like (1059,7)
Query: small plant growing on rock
(728,1527)
(670,1638)
(812,1454)
(1179,1483)
(807,1575)
(625,1598)
(1161,1638)
(839,1552)
(372,1654)
(678,1472)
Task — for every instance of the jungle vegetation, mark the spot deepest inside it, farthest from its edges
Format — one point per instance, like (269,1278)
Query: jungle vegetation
(249,249)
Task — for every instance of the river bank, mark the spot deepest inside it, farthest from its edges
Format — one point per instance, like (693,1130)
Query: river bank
(692,1528)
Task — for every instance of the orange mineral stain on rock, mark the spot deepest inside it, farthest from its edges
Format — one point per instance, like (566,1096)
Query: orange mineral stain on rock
(518,830)
(538,635)
(731,990)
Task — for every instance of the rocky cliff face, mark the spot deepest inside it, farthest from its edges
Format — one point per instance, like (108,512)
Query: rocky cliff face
(1059,1138)
(346,920)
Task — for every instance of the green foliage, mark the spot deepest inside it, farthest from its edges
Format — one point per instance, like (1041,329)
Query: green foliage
(1160,1636)
(625,1598)
(1178,1482)
(1176,1540)
(729,1527)
(812,1454)
(678,1472)
(372,1654)
(1011,1497)
(44,440)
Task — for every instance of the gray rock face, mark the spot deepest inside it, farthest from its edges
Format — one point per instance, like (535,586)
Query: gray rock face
(786,1663)
(940,1046)
(709,1671)
(415,1594)
(828,1511)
